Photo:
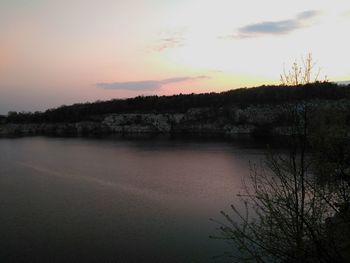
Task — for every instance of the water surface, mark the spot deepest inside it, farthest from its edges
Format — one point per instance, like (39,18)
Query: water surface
(113,200)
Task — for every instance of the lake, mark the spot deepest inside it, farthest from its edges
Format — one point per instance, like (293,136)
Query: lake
(118,200)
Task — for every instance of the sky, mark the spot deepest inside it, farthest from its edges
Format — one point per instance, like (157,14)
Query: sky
(62,52)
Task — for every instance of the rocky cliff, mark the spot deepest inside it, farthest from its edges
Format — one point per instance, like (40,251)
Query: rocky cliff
(227,121)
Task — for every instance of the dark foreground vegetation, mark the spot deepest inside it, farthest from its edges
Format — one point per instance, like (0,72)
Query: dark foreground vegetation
(297,204)
(263,95)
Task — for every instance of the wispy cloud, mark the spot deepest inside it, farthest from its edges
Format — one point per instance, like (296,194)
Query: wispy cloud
(280,27)
(307,14)
(170,38)
(145,85)
(170,42)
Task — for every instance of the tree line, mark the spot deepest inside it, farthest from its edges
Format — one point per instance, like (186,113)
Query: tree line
(274,94)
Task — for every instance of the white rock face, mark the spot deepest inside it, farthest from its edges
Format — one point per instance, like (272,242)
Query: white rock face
(141,123)
(199,120)
(238,129)
(257,114)
(226,121)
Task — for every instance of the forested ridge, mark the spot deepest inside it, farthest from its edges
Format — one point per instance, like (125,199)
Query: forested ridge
(180,103)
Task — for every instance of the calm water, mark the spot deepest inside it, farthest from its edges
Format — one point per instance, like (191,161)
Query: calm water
(113,200)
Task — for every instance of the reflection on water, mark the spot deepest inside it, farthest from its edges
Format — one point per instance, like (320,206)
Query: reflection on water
(112,200)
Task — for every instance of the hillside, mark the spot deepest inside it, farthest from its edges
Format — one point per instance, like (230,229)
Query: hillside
(259,110)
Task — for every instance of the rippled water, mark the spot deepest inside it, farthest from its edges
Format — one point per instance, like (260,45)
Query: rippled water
(113,200)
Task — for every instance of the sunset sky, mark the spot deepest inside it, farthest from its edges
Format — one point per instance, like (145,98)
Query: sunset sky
(55,52)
